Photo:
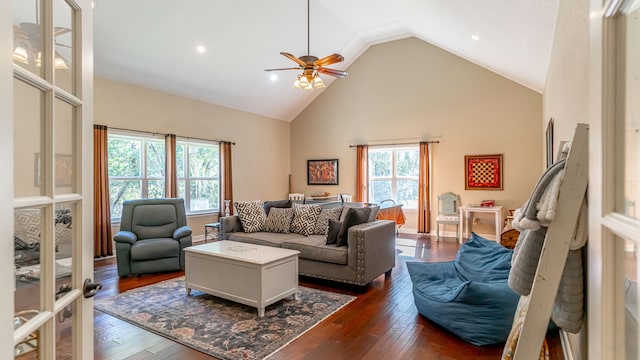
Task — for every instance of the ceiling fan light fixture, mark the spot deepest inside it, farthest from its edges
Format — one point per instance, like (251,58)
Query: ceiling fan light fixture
(303,82)
(317,82)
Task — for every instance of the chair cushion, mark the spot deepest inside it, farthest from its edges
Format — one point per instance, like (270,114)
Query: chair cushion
(251,214)
(154,221)
(151,249)
(279,220)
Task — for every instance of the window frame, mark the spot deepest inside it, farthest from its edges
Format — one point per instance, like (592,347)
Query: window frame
(143,178)
(394,178)
(187,178)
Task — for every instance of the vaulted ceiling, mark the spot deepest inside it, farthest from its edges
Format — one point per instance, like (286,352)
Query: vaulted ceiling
(152,43)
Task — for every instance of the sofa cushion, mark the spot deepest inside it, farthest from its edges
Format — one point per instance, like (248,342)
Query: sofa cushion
(305,218)
(334,230)
(251,215)
(276,204)
(322,223)
(372,215)
(279,220)
(314,248)
(151,249)
(263,238)
(355,216)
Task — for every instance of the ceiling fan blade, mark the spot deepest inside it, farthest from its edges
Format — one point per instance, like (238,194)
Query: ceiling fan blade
(331,72)
(328,60)
(296,68)
(300,62)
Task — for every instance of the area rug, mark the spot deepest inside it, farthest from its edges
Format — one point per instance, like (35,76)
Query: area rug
(218,327)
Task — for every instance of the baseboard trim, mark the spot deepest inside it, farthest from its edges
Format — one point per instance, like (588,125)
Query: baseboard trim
(566,346)
(197,239)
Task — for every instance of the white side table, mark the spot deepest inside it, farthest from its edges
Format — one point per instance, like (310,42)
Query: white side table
(465,218)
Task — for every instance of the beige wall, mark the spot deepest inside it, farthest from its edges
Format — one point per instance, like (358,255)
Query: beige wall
(260,156)
(409,90)
(566,94)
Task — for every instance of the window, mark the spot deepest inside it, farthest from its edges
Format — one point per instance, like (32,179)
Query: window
(136,169)
(393,174)
(198,166)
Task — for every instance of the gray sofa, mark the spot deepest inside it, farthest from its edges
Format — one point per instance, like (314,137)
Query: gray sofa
(369,254)
(153,234)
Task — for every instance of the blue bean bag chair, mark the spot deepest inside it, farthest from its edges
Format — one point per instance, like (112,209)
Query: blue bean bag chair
(468,296)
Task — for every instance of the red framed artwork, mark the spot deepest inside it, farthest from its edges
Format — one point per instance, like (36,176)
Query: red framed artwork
(483,172)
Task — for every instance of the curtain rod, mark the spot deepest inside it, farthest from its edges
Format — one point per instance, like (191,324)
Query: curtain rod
(405,143)
(157,133)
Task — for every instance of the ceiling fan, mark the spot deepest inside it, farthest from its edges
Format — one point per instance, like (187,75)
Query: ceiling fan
(312,66)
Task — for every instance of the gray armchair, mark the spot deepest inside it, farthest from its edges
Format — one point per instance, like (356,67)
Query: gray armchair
(152,236)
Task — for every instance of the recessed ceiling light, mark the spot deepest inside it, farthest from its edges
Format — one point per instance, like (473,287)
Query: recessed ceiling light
(200,49)
(274,77)
(475,37)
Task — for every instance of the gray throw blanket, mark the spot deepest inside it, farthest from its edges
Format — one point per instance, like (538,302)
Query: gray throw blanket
(531,220)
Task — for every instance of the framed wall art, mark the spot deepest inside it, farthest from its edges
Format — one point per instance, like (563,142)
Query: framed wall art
(322,172)
(483,172)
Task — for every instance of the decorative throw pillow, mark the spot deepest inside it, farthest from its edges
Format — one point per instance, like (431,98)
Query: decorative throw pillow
(305,218)
(332,233)
(276,203)
(374,213)
(251,214)
(323,219)
(279,220)
(355,216)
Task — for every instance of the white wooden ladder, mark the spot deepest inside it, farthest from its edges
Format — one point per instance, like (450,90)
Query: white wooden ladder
(555,249)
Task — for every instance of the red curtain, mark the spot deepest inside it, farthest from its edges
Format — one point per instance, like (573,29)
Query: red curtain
(362,173)
(171,175)
(424,213)
(226,178)
(102,243)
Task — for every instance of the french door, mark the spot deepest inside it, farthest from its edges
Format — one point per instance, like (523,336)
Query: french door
(614,180)
(49,116)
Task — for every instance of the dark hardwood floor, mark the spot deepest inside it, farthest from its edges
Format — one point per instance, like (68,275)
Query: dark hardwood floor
(382,323)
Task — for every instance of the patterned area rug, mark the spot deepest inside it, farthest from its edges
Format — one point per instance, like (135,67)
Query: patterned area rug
(218,327)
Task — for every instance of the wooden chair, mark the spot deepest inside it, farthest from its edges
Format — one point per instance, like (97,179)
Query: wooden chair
(448,212)
(346,197)
(296,196)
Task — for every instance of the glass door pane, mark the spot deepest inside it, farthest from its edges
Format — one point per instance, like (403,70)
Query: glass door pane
(65,124)
(27,35)
(628,121)
(63,46)
(27,125)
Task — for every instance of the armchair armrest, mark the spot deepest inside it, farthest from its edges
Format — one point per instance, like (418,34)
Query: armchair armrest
(181,232)
(372,249)
(229,224)
(124,236)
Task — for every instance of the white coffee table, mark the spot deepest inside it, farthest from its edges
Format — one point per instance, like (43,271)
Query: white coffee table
(249,274)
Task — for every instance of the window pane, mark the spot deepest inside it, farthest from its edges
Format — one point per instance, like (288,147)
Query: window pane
(155,189)
(204,195)
(203,161)
(180,153)
(181,189)
(26,245)
(407,193)
(380,163)
(379,190)
(121,190)
(124,157)
(155,159)
(407,163)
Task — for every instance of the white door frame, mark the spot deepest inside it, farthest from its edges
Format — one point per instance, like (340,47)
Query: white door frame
(83,216)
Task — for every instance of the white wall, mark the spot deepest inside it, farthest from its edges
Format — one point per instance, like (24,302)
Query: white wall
(566,93)
(260,158)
